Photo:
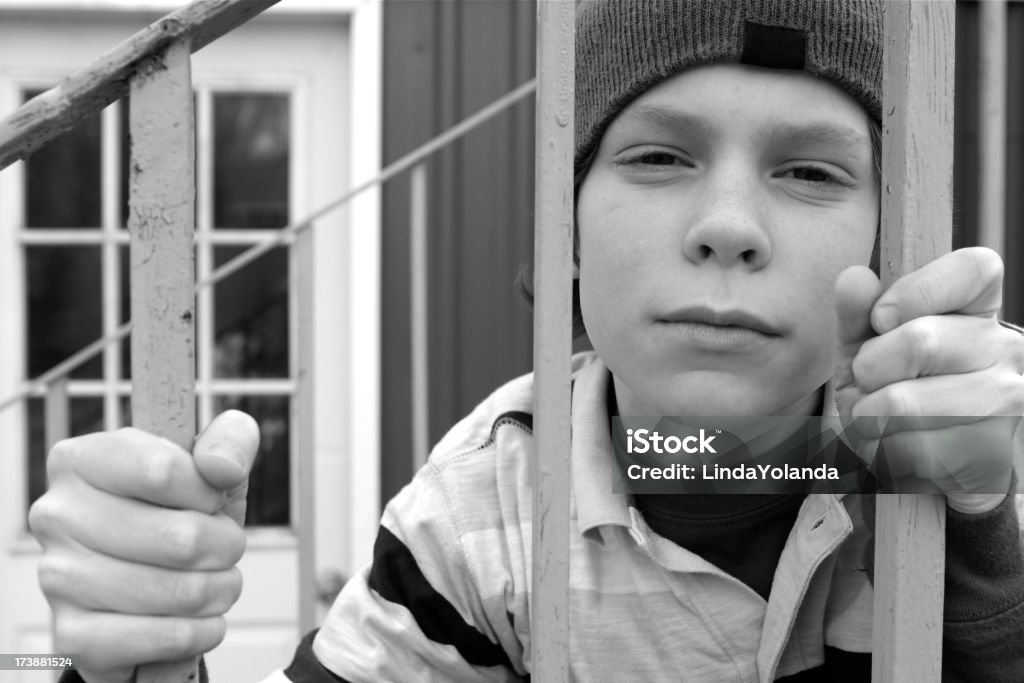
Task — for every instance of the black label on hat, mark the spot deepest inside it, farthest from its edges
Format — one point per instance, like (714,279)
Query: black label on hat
(776,47)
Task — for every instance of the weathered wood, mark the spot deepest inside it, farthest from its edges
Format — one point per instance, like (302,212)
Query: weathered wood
(303,413)
(161,223)
(917,192)
(107,79)
(418,283)
(552,341)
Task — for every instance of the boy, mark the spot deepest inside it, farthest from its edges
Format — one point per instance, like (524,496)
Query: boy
(727,204)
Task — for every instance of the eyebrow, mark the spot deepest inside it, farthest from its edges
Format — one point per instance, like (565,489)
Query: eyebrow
(841,138)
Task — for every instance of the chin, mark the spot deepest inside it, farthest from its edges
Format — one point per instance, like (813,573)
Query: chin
(717,394)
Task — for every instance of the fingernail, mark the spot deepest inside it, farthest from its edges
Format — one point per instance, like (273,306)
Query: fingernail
(886,317)
(227,455)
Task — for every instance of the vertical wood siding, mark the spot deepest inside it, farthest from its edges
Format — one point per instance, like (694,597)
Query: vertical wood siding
(443,61)
(966,146)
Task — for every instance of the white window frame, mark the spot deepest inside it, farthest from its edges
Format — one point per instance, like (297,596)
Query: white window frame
(359,449)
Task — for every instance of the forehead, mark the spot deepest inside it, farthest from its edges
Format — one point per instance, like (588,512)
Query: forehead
(781,105)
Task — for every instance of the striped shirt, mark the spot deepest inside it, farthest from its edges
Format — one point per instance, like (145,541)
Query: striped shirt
(447,597)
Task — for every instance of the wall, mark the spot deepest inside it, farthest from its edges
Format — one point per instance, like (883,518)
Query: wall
(444,60)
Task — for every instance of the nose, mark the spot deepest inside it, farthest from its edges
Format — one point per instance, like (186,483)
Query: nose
(728,225)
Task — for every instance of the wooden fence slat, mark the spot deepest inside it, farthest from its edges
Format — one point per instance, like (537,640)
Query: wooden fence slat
(161,223)
(91,89)
(917,190)
(418,281)
(303,415)
(552,340)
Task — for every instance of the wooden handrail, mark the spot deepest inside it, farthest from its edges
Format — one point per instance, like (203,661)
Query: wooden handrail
(37,386)
(107,79)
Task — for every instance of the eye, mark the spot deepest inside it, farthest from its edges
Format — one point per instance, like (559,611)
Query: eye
(813,175)
(643,160)
(816,176)
(654,159)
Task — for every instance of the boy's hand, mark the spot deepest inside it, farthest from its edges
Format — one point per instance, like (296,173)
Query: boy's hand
(140,542)
(931,345)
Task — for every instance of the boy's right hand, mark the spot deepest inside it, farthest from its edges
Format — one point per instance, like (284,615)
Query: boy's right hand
(140,542)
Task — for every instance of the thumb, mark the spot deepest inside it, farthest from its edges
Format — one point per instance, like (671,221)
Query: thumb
(857,289)
(224,453)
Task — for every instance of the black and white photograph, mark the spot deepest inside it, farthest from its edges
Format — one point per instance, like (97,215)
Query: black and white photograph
(400,341)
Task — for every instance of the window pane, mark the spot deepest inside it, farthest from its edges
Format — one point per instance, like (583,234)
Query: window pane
(64,304)
(251,151)
(62,179)
(86,417)
(269,498)
(251,316)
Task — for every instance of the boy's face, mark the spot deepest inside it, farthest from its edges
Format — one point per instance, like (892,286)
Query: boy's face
(719,209)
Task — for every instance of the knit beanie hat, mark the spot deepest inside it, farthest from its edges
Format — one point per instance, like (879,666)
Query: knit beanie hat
(624,47)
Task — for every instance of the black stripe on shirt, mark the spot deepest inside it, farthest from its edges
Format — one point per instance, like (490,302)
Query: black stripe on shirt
(840,667)
(306,668)
(397,578)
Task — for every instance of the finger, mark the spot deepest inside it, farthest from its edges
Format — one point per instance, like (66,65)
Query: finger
(112,645)
(857,288)
(138,589)
(966,281)
(134,464)
(966,457)
(226,449)
(138,532)
(224,453)
(978,394)
(934,345)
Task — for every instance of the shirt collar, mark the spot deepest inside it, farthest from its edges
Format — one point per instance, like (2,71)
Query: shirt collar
(593,462)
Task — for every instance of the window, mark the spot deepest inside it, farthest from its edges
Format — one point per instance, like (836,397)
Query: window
(74,245)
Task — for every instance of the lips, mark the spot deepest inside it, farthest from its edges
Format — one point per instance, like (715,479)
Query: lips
(725,319)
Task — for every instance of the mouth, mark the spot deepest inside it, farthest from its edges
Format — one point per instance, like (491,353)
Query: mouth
(728,321)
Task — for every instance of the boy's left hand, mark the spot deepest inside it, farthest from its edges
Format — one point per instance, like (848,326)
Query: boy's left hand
(932,345)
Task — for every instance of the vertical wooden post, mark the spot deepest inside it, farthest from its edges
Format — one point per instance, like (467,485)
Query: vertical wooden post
(303,414)
(917,193)
(418,311)
(161,223)
(552,340)
(992,117)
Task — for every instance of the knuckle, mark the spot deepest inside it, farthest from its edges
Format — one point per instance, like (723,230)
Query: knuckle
(187,637)
(1010,386)
(53,574)
(158,472)
(41,518)
(861,369)
(925,342)
(234,581)
(222,591)
(69,635)
(183,540)
(175,635)
(189,593)
(234,546)
(901,401)
(988,265)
